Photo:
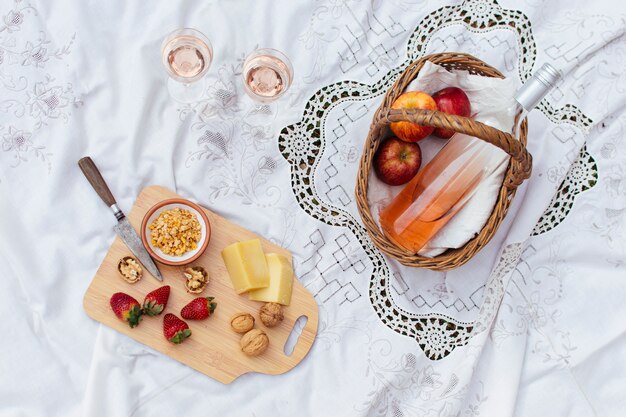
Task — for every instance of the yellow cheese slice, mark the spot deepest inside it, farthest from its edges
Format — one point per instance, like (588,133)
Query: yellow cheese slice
(246,265)
(281,281)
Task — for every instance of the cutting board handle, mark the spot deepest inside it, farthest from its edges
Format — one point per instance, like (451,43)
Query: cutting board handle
(94,177)
(307,334)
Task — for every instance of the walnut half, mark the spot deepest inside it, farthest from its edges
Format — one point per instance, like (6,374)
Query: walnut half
(255,342)
(242,322)
(271,314)
(129,269)
(197,278)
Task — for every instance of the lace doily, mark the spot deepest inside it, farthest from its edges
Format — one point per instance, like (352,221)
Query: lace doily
(302,144)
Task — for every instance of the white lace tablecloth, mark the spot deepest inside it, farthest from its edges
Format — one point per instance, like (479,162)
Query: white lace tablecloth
(533,326)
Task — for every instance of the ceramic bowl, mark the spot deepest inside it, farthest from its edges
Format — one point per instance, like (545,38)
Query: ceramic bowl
(170,204)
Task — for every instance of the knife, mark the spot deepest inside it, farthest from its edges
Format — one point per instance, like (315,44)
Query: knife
(123,228)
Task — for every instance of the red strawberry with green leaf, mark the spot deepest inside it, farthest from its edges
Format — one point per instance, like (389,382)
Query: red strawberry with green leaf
(126,308)
(155,301)
(174,329)
(198,309)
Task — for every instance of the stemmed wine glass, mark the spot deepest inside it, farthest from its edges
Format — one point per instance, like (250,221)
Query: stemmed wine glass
(187,55)
(267,75)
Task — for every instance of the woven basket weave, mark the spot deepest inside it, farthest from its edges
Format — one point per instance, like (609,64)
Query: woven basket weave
(519,168)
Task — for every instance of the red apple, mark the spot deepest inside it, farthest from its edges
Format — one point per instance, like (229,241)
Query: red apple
(396,161)
(451,100)
(407,131)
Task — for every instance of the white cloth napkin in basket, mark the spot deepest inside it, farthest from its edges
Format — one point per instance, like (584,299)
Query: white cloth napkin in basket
(488,98)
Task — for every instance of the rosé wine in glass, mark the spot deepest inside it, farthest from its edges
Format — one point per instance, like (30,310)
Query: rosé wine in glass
(267,74)
(186,55)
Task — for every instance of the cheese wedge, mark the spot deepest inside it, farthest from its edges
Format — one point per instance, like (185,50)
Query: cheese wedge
(246,265)
(281,281)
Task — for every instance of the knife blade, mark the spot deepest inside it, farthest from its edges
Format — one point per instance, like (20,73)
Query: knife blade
(123,228)
(130,237)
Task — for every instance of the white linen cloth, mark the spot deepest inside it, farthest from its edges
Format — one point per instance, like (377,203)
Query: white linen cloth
(84,78)
(489,97)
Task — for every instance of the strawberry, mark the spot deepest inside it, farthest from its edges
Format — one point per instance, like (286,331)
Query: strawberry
(155,301)
(126,308)
(174,329)
(198,309)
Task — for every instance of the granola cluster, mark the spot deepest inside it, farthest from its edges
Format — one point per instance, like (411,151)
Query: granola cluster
(175,231)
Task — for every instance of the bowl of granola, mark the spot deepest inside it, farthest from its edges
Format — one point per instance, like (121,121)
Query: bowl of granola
(175,231)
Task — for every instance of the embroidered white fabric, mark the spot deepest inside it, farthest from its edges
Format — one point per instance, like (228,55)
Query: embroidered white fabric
(534,327)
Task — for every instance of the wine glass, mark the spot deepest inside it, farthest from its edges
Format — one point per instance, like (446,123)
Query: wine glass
(267,75)
(187,55)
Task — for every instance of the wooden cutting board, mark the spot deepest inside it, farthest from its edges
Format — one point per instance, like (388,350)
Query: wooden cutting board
(213,347)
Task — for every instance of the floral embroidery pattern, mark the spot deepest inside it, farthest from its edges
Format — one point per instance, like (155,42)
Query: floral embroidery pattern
(14,18)
(400,388)
(221,100)
(48,101)
(541,288)
(31,101)
(19,144)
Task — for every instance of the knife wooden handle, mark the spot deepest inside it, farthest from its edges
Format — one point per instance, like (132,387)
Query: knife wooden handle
(94,177)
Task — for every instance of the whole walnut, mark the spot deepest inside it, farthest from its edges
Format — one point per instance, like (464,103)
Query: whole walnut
(271,314)
(242,322)
(255,342)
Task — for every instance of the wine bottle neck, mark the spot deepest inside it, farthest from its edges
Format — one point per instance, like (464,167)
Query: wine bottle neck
(537,87)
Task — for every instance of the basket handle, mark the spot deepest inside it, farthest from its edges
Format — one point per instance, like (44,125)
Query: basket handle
(521,160)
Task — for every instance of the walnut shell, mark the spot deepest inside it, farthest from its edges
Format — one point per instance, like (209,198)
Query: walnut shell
(242,322)
(271,314)
(129,269)
(197,279)
(255,342)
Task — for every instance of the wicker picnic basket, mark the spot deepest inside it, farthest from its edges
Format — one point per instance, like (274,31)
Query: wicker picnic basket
(519,168)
